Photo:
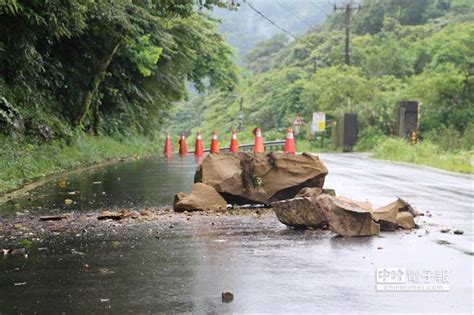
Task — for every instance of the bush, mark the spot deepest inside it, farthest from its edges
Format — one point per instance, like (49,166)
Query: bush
(369,139)
(467,141)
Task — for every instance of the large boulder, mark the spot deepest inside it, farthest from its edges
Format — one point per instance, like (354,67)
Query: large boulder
(260,178)
(347,218)
(300,212)
(202,198)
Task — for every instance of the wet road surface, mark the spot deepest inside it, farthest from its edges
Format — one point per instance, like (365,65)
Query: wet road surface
(268,267)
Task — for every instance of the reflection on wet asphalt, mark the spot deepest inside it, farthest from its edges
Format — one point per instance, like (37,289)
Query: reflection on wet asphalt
(268,267)
(133,185)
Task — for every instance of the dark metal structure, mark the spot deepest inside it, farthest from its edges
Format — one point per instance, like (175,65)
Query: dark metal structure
(408,113)
(344,133)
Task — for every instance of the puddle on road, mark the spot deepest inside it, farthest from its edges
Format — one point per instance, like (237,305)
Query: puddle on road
(138,184)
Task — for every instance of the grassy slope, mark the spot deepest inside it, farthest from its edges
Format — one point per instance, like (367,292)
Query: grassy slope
(425,153)
(20,162)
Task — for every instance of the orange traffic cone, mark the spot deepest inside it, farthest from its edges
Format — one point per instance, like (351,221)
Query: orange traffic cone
(214,144)
(290,142)
(234,147)
(198,147)
(183,149)
(258,146)
(168,149)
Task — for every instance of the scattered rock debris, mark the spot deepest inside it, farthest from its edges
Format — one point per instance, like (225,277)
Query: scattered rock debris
(458,232)
(35,227)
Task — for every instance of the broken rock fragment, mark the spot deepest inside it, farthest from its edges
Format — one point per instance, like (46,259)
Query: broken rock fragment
(405,220)
(227,297)
(347,218)
(106,215)
(310,192)
(387,216)
(396,214)
(53,217)
(202,198)
(300,212)
(123,214)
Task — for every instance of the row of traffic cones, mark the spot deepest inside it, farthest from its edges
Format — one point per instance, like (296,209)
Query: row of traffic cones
(233,148)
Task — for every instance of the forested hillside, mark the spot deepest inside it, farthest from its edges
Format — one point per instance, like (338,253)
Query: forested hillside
(86,81)
(110,67)
(401,50)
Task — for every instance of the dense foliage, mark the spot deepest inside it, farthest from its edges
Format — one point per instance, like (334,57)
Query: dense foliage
(111,67)
(401,50)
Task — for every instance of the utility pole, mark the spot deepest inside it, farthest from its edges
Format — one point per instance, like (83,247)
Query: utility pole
(241,115)
(348,9)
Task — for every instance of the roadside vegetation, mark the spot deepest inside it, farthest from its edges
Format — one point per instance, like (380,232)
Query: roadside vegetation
(445,149)
(84,81)
(425,153)
(26,160)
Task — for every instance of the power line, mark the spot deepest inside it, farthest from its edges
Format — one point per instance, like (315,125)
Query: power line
(320,9)
(276,25)
(293,13)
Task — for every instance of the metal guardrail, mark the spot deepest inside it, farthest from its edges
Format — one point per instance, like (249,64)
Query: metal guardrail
(267,144)
(272,145)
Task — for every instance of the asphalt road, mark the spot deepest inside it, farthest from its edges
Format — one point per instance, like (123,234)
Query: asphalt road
(268,267)
(446,198)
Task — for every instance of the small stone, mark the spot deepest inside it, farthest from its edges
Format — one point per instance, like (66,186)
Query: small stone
(19,284)
(445,230)
(379,248)
(53,217)
(227,297)
(458,232)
